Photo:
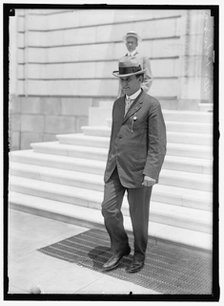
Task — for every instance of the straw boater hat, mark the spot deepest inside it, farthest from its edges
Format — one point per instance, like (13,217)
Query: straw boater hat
(132,34)
(127,67)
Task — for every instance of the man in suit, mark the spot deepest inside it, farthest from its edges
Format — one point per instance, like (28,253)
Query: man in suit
(131,40)
(136,154)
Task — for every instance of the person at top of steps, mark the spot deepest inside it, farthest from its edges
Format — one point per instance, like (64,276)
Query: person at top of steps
(131,40)
(136,154)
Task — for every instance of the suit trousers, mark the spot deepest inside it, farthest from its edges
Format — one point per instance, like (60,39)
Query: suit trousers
(139,200)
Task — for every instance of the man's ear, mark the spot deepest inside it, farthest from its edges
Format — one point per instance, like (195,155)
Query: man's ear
(141,78)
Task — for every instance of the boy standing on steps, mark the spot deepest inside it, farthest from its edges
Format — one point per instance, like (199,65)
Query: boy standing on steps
(131,40)
(136,154)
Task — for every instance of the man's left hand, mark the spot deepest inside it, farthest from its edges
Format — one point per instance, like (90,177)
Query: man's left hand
(148,181)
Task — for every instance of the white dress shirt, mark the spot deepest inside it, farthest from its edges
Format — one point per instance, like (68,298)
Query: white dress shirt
(130,99)
(133,53)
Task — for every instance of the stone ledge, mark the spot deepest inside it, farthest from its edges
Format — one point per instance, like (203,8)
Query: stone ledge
(14,104)
(59,124)
(15,122)
(75,106)
(51,105)
(31,123)
(31,105)
(29,137)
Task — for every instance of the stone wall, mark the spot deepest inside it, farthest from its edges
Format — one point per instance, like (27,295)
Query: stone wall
(38,119)
(74,53)
(62,63)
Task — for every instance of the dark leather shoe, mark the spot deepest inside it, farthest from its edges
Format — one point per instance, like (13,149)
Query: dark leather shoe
(113,262)
(135,266)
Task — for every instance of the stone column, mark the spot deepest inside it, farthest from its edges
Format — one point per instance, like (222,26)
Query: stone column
(196,63)
(13,103)
(208,59)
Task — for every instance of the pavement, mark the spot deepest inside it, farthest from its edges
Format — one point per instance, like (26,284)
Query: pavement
(29,269)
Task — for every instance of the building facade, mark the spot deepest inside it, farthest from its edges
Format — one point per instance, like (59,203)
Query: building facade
(61,64)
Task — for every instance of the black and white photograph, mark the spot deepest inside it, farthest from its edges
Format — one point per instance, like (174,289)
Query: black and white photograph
(111,116)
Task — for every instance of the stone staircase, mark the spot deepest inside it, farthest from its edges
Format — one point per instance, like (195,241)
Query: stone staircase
(64,179)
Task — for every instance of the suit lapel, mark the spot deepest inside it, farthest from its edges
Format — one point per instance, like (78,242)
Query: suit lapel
(120,111)
(136,105)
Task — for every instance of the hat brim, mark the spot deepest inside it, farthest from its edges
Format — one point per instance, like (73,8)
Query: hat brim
(117,75)
(139,39)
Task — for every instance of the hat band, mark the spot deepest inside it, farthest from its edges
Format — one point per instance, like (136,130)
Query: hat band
(126,70)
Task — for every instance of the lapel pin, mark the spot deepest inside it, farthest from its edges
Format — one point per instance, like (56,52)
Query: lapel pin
(132,124)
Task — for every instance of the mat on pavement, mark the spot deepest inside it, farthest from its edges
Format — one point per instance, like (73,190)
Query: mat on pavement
(169,268)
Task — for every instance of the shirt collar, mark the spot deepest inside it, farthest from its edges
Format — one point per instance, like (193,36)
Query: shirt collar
(134,96)
(133,53)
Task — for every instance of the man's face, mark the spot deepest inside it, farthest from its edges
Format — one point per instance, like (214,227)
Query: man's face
(131,43)
(130,84)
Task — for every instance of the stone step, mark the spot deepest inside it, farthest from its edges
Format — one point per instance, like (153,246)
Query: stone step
(192,198)
(188,116)
(98,167)
(206,107)
(189,127)
(171,115)
(101,131)
(161,213)
(190,138)
(184,127)
(168,194)
(183,150)
(79,139)
(95,181)
(59,176)
(187,164)
(186,179)
(58,161)
(55,148)
(99,115)
(172,137)
(72,213)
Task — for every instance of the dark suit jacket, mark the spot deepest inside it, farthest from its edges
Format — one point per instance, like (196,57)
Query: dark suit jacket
(138,141)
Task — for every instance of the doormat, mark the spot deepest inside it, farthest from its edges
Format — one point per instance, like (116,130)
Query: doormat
(169,268)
